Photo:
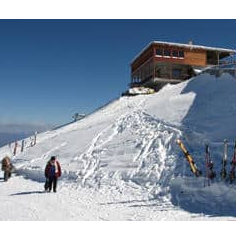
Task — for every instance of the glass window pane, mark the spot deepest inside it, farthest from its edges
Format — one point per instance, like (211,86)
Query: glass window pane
(175,53)
(167,53)
(181,54)
(159,52)
(176,72)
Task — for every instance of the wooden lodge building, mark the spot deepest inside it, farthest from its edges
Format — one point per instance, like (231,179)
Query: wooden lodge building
(163,62)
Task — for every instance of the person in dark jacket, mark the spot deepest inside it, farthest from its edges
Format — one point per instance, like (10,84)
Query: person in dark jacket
(6,167)
(52,173)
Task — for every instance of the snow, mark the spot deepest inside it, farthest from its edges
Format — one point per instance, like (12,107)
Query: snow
(25,200)
(122,162)
(194,46)
(197,71)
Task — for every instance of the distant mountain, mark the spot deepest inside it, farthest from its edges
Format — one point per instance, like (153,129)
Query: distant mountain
(21,128)
(6,138)
(12,132)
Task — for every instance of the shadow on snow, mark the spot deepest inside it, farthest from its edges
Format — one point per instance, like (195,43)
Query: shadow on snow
(27,193)
(210,117)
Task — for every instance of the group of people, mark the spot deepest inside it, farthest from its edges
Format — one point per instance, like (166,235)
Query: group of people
(52,172)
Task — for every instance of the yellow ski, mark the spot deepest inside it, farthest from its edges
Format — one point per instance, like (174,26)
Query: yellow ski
(189,158)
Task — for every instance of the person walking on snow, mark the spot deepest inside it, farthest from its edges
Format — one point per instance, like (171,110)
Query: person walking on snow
(6,167)
(52,173)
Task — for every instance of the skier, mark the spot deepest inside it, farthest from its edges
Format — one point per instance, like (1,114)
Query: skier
(52,173)
(6,167)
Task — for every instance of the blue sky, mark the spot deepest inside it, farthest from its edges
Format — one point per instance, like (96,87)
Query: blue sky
(50,69)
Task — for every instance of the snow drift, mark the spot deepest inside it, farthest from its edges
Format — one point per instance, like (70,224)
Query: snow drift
(130,145)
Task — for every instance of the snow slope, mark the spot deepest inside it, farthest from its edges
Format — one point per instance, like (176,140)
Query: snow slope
(122,162)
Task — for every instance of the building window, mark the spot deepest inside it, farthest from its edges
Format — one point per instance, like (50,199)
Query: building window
(176,72)
(167,53)
(181,54)
(175,53)
(159,52)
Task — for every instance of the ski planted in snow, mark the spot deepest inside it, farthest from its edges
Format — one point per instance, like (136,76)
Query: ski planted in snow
(189,158)
(210,173)
(223,172)
(233,166)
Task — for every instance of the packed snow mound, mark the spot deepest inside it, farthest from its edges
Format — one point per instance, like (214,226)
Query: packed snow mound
(204,104)
(131,142)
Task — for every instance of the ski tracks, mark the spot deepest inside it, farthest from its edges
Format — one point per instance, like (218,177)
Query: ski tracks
(155,159)
(90,157)
(48,153)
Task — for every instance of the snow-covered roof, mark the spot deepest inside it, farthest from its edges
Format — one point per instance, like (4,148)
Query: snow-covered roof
(185,45)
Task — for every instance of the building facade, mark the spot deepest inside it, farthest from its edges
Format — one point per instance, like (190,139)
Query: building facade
(163,62)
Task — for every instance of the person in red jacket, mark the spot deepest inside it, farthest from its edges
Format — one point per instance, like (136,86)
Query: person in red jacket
(52,173)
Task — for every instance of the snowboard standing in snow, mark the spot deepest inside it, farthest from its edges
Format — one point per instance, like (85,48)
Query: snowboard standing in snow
(233,165)
(189,158)
(210,173)
(223,172)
